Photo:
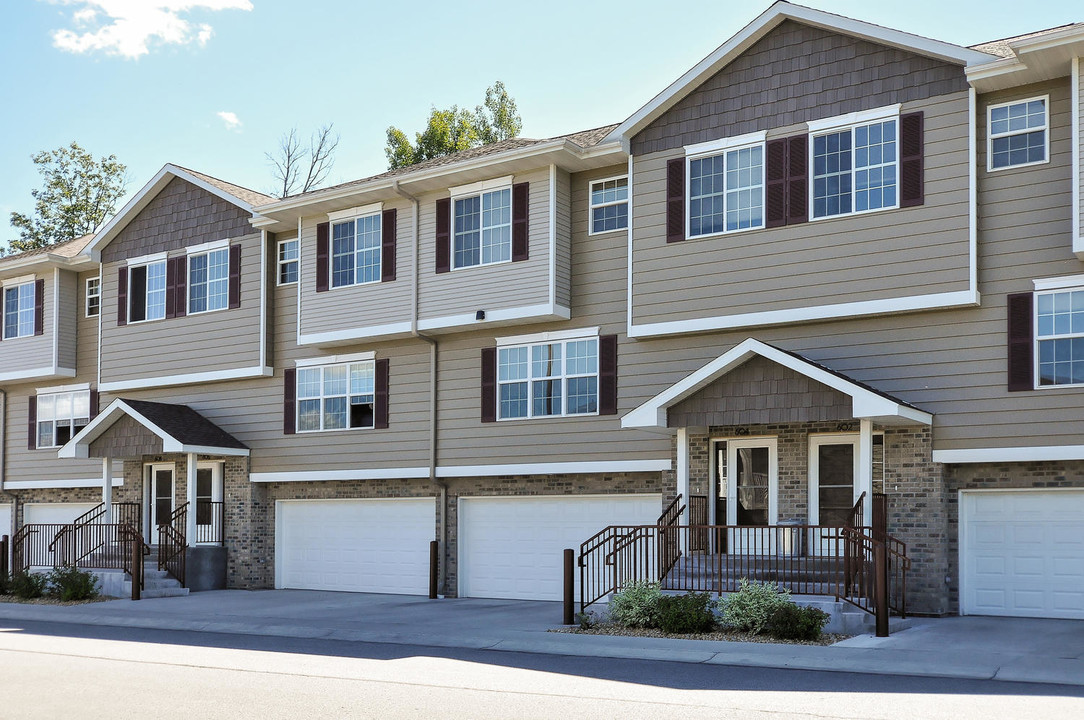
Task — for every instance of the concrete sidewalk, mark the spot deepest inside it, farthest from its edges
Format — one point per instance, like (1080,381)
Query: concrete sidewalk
(1012,649)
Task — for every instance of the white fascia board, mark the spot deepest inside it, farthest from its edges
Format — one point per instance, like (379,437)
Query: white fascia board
(362,333)
(554,468)
(551,336)
(49,484)
(186,379)
(1011,454)
(33,373)
(205,449)
(545,311)
(397,473)
(1077,150)
(77,446)
(936,301)
(335,359)
(356,212)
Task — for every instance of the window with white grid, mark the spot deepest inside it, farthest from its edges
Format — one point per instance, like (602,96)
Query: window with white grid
(336,397)
(548,379)
(355,251)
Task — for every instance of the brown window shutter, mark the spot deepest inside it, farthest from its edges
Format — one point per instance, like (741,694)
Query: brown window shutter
(675,200)
(171,287)
(322,255)
(39,308)
(235,276)
(180,302)
(93,404)
(520,220)
(380,397)
(489,384)
(2,294)
(775,184)
(607,375)
(32,423)
(389,227)
(1021,343)
(122,296)
(912,164)
(289,401)
(444,235)
(797,188)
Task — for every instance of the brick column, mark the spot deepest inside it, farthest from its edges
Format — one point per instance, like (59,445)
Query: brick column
(248,529)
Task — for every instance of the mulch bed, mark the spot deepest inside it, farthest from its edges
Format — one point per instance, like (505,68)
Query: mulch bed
(724,635)
(49,600)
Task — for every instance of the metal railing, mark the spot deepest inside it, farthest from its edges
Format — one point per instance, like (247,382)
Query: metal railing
(98,546)
(172,544)
(209,522)
(863,553)
(81,537)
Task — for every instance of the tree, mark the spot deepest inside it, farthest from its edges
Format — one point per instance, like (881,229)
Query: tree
(299,169)
(455,129)
(79,194)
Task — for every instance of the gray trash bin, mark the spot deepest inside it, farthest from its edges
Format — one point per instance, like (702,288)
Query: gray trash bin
(789,540)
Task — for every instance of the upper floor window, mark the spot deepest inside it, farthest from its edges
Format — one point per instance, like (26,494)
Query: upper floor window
(19,310)
(355,251)
(609,205)
(548,379)
(147,291)
(208,281)
(288,259)
(60,416)
(1059,332)
(94,296)
(336,397)
(726,191)
(855,169)
(1017,133)
(482,230)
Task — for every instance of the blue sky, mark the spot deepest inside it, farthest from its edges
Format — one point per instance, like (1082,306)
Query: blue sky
(157,81)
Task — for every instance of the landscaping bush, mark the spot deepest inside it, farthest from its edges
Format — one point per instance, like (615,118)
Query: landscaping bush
(752,606)
(28,585)
(70,583)
(5,584)
(637,605)
(682,614)
(791,622)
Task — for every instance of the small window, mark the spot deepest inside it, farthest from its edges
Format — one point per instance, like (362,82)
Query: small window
(548,379)
(482,232)
(854,169)
(355,251)
(19,311)
(609,205)
(726,191)
(1059,332)
(209,281)
(288,254)
(61,416)
(336,397)
(147,292)
(1017,134)
(94,296)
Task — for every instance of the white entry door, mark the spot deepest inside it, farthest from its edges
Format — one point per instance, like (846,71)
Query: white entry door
(159,491)
(752,494)
(834,487)
(209,510)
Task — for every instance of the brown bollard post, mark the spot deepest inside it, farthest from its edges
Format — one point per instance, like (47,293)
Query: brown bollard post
(570,582)
(434,560)
(880,588)
(5,545)
(137,568)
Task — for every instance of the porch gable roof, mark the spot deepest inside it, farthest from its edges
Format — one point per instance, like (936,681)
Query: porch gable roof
(866,401)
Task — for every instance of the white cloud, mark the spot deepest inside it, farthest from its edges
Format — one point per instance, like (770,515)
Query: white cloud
(130,27)
(230,119)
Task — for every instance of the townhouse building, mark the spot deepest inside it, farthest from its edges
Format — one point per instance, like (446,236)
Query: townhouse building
(831,262)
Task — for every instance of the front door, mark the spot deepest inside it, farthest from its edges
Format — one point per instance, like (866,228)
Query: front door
(834,486)
(749,500)
(160,494)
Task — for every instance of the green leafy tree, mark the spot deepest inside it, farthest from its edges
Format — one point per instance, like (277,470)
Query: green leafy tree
(79,193)
(455,129)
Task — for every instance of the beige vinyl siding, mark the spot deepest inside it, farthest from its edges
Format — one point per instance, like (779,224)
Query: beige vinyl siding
(487,287)
(872,256)
(563,275)
(32,352)
(206,342)
(69,311)
(356,306)
(86,331)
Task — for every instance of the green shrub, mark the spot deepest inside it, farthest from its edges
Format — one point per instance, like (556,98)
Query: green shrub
(752,606)
(689,613)
(70,583)
(791,622)
(586,620)
(637,605)
(28,585)
(5,584)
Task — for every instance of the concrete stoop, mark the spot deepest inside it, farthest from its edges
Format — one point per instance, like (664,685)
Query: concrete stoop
(156,583)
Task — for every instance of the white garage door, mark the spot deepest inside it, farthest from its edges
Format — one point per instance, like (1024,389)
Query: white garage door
(1022,553)
(54,512)
(512,547)
(378,546)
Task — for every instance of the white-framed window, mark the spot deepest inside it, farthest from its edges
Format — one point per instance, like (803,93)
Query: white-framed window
(94,296)
(209,281)
(1016,133)
(355,251)
(288,261)
(855,169)
(336,397)
(609,204)
(548,379)
(1059,337)
(482,228)
(147,291)
(726,190)
(19,310)
(61,416)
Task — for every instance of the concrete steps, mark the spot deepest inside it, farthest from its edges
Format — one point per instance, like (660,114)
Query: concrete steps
(156,583)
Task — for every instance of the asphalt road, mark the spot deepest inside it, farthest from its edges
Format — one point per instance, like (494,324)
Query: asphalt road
(53,670)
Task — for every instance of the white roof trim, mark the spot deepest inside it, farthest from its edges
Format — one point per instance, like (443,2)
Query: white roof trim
(766,22)
(865,403)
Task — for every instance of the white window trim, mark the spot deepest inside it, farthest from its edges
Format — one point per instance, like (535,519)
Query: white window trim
(356,212)
(32,282)
(87,296)
(862,118)
(574,336)
(146,261)
(484,186)
(1035,335)
(721,148)
(188,280)
(335,359)
(298,399)
(20,280)
(990,136)
(586,333)
(591,207)
(38,420)
(331,248)
(712,147)
(1068,281)
(279,262)
(459,193)
(207,247)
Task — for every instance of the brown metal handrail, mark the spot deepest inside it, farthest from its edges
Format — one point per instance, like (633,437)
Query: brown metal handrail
(172,544)
(97,546)
(76,539)
(859,587)
(672,512)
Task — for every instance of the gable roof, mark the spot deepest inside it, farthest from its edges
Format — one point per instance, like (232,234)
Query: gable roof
(63,253)
(867,402)
(768,21)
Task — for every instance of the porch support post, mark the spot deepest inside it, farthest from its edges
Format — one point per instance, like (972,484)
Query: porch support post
(190,495)
(683,479)
(865,467)
(107,488)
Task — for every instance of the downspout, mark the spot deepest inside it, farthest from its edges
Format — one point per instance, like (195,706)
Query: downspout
(3,440)
(415,269)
